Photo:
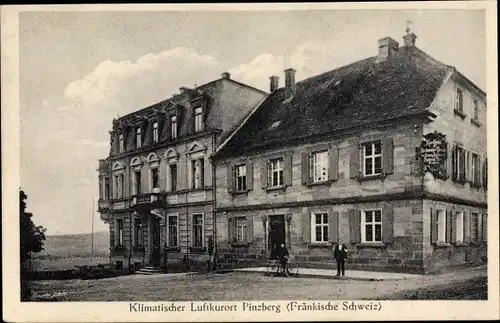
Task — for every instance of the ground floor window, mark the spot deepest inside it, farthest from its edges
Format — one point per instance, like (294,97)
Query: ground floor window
(371,226)
(173,231)
(138,232)
(119,232)
(241,229)
(460,226)
(197,230)
(320,227)
(441,217)
(474,228)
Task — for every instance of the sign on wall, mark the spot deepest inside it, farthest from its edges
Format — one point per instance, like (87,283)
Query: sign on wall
(433,154)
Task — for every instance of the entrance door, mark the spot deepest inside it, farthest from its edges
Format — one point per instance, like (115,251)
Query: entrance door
(276,233)
(155,243)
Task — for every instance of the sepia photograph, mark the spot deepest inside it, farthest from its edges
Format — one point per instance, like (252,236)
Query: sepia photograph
(274,160)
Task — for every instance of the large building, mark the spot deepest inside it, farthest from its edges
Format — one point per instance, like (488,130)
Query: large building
(387,154)
(156,185)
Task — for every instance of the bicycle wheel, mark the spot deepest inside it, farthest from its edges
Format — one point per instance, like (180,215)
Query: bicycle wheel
(271,268)
(292,270)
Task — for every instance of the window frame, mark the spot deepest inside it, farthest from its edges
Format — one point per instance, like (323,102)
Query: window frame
(474,219)
(151,177)
(459,232)
(138,137)
(372,157)
(202,225)
(280,177)
(119,232)
(475,109)
(156,131)
(459,100)
(173,126)
(137,184)
(198,119)
(138,226)
(373,224)
(475,170)
(107,188)
(313,163)
(172,179)
(442,226)
(238,176)
(169,227)
(193,167)
(314,238)
(243,228)
(119,187)
(121,143)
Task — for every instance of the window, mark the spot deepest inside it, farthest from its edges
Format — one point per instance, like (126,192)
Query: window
(154,178)
(119,186)
(197,230)
(137,182)
(459,164)
(241,177)
(173,177)
(198,119)
(121,143)
(372,158)
(173,127)
(275,178)
(441,217)
(197,169)
(241,229)
(319,169)
(138,137)
(474,228)
(475,169)
(173,230)
(155,131)
(119,232)
(459,100)
(320,227)
(371,226)
(138,233)
(106,188)
(475,106)
(460,226)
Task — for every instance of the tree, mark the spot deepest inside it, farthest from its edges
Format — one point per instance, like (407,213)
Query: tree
(31,240)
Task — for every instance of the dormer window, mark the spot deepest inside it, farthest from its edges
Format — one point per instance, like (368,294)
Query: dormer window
(155,131)
(138,137)
(198,119)
(459,100)
(173,127)
(121,143)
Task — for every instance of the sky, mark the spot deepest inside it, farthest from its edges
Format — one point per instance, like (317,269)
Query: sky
(79,70)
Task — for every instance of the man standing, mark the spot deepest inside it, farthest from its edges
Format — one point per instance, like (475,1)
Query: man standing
(340,255)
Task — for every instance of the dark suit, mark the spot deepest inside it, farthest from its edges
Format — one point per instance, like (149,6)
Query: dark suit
(340,255)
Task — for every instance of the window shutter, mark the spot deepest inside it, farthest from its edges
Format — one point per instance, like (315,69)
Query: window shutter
(479,228)
(388,155)
(484,226)
(468,171)
(287,176)
(230,229)
(454,158)
(434,226)
(354,167)
(249,228)
(355,225)
(333,159)
(467,225)
(304,164)
(462,166)
(333,227)
(306,227)
(485,173)
(453,227)
(449,231)
(388,224)
(230,177)
(263,173)
(249,175)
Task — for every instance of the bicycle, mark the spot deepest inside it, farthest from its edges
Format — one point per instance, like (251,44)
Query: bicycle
(275,268)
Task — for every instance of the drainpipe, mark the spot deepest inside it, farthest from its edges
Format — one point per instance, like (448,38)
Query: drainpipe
(130,219)
(214,204)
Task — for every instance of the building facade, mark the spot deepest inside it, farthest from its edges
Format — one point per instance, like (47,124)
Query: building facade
(156,185)
(387,154)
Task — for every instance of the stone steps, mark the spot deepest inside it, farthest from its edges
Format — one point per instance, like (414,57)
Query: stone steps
(149,270)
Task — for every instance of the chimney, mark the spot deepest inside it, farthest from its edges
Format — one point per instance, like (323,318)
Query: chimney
(386,47)
(290,80)
(274,85)
(409,39)
(226,75)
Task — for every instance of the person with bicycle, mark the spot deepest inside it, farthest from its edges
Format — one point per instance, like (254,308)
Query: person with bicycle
(283,256)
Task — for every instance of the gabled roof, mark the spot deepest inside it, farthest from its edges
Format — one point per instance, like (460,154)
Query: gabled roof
(354,95)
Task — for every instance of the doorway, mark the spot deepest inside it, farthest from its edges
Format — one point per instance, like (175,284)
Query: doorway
(155,256)
(276,233)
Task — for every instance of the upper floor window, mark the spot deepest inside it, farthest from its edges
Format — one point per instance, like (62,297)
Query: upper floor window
(119,186)
(106,188)
(197,171)
(198,119)
(459,100)
(372,158)
(275,172)
(319,169)
(172,177)
(154,178)
(241,177)
(320,227)
(474,227)
(475,106)
(137,182)
(138,137)
(173,231)
(121,143)
(155,131)
(458,164)
(371,226)
(475,169)
(173,127)
(197,230)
